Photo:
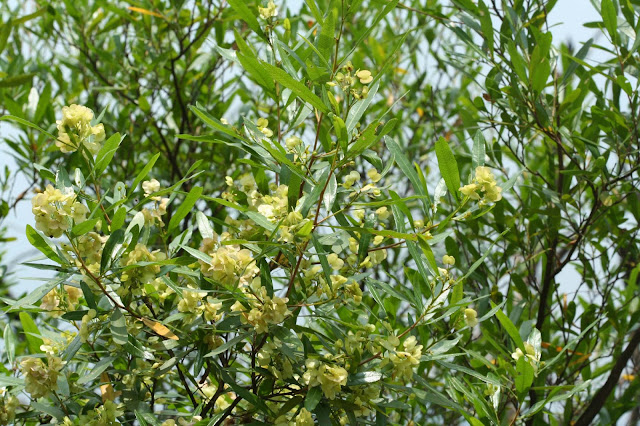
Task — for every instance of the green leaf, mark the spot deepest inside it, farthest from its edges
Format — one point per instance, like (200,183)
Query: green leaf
(359,108)
(314,395)
(261,221)
(367,140)
(43,244)
(84,227)
(295,86)
(256,70)
(5,32)
(450,366)
(9,343)
(244,393)
(26,123)
(117,221)
(540,74)
(323,414)
(480,261)
(143,173)
(517,61)
(312,198)
(228,345)
(26,18)
(17,80)
(409,172)
(364,378)
(110,248)
(119,331)
(524,375)
(97,369)
(44,172)
(448,166)
(31,333)
(198,254)
(582,53)
(185,207)
(88,295)
(214,123)
(485,24)
(37,294)
(478,154)
(203,225)
(105,155)
(326,40)
(369,27)
(330,193)
(610,18)
(11,381)
(510,328)
(241,8)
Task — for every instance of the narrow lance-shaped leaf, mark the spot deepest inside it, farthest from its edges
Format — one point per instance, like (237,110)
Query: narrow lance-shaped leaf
(409,172)
(295,86)
(31,333)
(510,329)
(105,155)
(241,8)
(185,207)
(43,244)
(478,154)
(448,166)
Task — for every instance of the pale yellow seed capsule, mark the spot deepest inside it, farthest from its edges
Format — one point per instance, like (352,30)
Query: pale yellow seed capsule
(448,260)
(364,76)
(471,317)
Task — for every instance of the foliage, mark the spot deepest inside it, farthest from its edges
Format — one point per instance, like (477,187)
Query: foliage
(363,212)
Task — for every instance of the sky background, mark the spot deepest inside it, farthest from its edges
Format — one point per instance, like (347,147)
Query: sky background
(566,22)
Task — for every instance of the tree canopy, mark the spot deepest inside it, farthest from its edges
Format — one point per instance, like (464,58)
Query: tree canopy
(360,212)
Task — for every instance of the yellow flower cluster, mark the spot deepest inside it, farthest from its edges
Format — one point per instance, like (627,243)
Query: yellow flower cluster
(160,204)
(229,264)
(90,247)
(105,415)
(347,79)
(271,358)
(8,405)
(182,421)
(369,189)
(292,143)
(141,274)
(294,225)
(268,12)
(75,129)
(59,344)
(41,378)
(531,355)
(51,301)
(330,377)
(273,207)
(471,317)
(54,211)
(262,125)
(304,418)
(485,183)
(363,396)
(193,302)
(85,325)
(265,310)
(404,361)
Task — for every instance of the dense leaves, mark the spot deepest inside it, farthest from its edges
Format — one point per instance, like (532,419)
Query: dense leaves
(357,212)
